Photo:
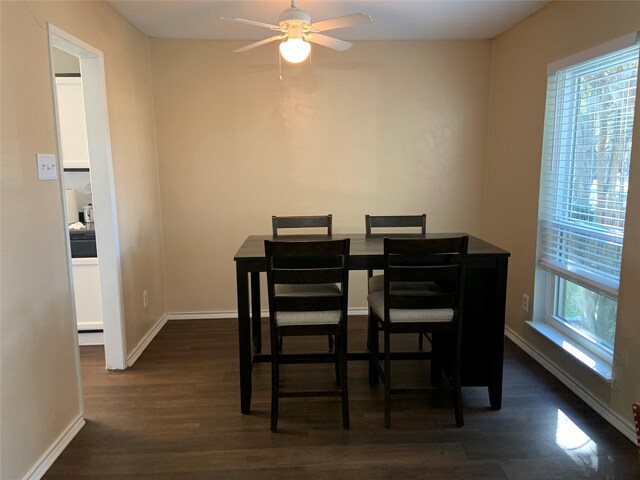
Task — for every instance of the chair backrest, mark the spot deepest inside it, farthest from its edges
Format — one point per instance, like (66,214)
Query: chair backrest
(438,260)
(308,263)
(395,221)
(311,221)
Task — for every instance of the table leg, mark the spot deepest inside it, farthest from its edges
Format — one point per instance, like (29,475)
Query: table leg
(256,319)
(244,337)
(497,347)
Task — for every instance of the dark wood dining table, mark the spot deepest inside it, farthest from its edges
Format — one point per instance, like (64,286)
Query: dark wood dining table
(484,306)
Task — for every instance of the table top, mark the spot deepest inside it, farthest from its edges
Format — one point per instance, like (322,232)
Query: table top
(361,245)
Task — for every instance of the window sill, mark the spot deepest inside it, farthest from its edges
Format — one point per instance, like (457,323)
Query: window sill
(594,363)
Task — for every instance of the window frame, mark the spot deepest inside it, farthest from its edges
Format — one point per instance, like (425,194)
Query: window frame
(563,151)
(579,338)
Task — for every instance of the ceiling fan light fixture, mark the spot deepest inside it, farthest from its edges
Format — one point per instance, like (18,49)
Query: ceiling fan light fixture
(295,50)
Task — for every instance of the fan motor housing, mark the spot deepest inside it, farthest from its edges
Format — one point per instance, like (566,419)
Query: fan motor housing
(294,16)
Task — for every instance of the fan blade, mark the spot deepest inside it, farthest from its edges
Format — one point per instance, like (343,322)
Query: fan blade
(330,42)
(252,22)
(257,44)
(341,22)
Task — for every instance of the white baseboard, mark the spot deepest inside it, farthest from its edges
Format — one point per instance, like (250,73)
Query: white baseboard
(205,315)
(54,451)
(618,422)
(234,314)
(146,340)
(90,338)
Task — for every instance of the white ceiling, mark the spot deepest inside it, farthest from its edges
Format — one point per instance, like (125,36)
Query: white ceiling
(392,19)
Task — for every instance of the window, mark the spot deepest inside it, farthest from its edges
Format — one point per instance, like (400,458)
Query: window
(583,191)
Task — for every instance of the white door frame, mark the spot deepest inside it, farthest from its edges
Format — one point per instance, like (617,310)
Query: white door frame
(103,190)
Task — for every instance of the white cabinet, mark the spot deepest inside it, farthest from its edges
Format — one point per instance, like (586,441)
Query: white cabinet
(86,282)
(72,122)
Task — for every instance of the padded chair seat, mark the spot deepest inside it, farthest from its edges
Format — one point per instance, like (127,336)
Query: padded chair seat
(329,317)
(307,289)
(399,315)
(376,284)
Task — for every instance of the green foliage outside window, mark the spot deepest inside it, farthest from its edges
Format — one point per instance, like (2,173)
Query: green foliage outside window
(589,312)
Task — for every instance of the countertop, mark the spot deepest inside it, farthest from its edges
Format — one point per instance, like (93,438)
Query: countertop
(91,229)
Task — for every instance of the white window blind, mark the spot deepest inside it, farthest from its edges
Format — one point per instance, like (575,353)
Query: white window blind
(585,169)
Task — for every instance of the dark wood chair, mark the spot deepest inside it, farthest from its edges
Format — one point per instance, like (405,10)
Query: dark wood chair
(387,225)
(437,311)
(300,222)
(307,312)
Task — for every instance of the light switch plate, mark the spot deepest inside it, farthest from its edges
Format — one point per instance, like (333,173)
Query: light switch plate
(46,166)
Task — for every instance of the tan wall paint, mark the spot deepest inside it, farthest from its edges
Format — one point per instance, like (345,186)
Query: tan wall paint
(383,128)
(518,91)
(39,396)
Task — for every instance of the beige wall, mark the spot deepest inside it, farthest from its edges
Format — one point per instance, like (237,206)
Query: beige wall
(383,128)
(518,90)
(39,396)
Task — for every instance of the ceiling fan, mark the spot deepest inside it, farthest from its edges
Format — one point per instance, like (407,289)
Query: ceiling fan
(297,32)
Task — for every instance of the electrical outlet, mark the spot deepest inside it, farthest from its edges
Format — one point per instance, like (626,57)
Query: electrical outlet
(525,302)
(145,298)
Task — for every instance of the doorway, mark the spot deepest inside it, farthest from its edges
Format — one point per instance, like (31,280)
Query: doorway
(91,65)
(76,179)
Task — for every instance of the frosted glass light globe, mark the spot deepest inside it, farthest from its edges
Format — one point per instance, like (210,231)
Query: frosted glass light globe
(295,50)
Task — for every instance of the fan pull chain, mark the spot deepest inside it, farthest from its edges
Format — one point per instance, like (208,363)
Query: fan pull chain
(280,63)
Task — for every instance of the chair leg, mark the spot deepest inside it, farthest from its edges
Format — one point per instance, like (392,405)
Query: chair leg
(337,362)
(275,380)
(387,379)
(420,341)
(369,330)
(331,343)
(374,348)
(343,379)
(457,390)
(274,399)
(457,405)
(436,364)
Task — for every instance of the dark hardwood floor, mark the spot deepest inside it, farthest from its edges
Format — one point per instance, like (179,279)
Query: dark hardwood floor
(176,415)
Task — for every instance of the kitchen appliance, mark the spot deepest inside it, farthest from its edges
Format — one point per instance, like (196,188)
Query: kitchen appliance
(71,203)
(88,213)
(83,243)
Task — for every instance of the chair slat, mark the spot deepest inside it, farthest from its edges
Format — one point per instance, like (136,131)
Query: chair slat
(307,276)
(335,260)
(447,274)
(395,221)
(310,221)
(308,304)
(433,246)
